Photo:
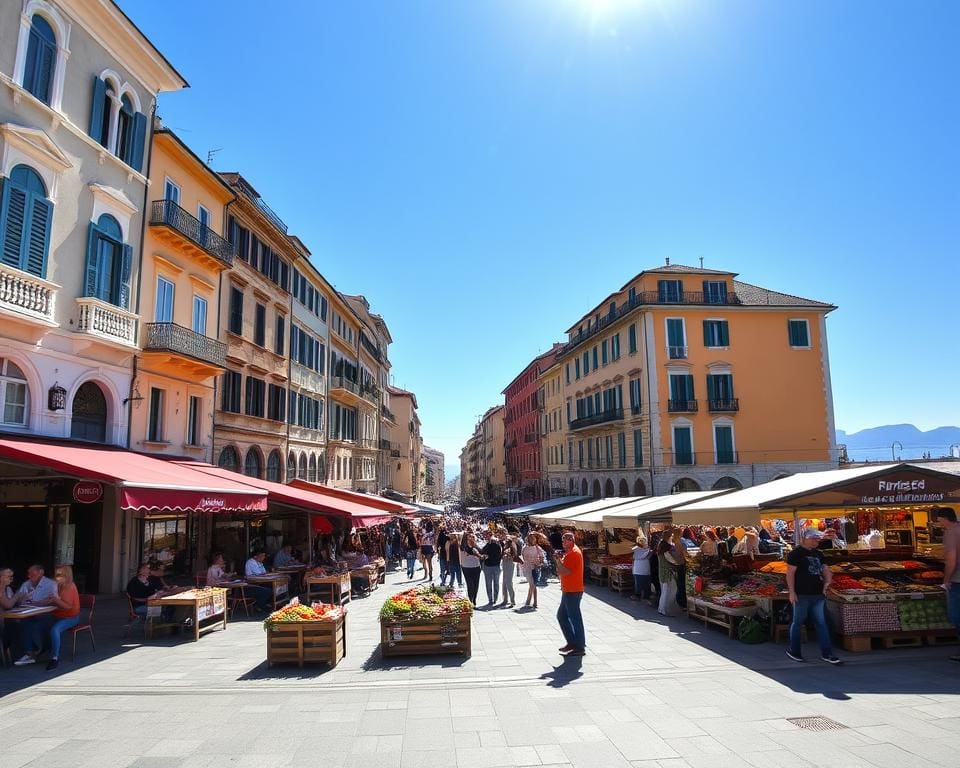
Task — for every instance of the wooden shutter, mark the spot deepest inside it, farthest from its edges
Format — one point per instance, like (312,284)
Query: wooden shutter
(90,269)
(712,387)
(96,110)
(13,205)
(139,140)
(126,271)
(37,240)
(724,334)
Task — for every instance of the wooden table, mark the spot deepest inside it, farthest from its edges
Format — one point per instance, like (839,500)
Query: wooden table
(208,607)
(279,584)
(27,611)
(370,575)
(295,572)
(724,616)
(338,586)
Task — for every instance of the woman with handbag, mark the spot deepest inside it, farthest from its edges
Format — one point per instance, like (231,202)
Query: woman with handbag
(511,556)
(667,560)
(533,557)
(470,564)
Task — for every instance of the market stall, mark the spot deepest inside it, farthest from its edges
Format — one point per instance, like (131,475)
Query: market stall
(205,607)
(306,633)
(426,620)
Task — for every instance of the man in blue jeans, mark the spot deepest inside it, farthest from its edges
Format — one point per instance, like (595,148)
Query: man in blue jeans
(570,570)
(946,518)
(808,579)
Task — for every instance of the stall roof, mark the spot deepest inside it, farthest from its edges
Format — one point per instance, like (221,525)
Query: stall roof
(145,483)
(863,486)
(548,504)
(654,507)
(366,499)
(582,508)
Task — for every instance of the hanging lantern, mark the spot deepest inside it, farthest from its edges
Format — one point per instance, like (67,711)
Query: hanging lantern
(57,398)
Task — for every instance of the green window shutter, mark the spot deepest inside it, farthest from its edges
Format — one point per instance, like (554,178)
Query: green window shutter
(712,387)
(13,208)
(724,333)
(139,140)
(96,110)
(90,268)
(37,239)
(126,271)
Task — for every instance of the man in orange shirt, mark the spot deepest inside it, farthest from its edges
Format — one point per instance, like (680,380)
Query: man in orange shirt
(570,570)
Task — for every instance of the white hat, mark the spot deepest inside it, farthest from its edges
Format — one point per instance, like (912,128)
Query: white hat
(811,533)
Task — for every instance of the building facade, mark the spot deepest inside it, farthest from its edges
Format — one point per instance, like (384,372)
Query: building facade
(408,475)
(491,456)
(553,431)
(434,486)
(184,254)
(667,386)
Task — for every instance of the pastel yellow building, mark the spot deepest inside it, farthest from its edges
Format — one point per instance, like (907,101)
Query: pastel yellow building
(687,378)
(184,254)
(553,430)
(408,472)
(493,488)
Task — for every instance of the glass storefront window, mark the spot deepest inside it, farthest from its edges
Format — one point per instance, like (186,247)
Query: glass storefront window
(164,542)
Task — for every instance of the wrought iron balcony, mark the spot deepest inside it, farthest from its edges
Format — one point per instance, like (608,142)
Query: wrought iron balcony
(614,414)
(367,442)
(166,213)
(387,414)
(684,459)
(341,382)
(727,457)
(724,405)
(170,337)
(371,348)
(384,444)
(370,393)
(682,406)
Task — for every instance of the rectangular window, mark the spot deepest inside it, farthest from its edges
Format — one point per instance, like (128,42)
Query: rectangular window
(155,417)
(637,448)
(276,402)
(194,415)
(632,296)
(603,352)
(621,450)
(163,311)
(720,390)
(670,291)
(235,320)
(676,339)
(203,215)
(580,451)
(682,446)
(279,333)
(635,396)
(199,315)
(799,331)
(171,191)
(716,333)
(615,346)
(577,364)
(566,369)
(633,338)
(586,362)
(681,392)
(714,292)
(260,325)
(608,449)
(232,381)
(595,362)
(723,440)
(254,396)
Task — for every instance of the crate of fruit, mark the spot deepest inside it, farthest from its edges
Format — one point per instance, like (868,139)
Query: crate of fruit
(304,634)
(425,621)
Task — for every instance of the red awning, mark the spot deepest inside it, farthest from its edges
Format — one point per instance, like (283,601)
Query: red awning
(146,483)
(370,520)
(365,499)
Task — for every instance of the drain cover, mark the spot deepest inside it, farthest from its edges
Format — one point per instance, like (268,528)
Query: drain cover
(816,723)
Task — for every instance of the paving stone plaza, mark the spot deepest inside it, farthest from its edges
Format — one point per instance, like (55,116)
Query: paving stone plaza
(650,692)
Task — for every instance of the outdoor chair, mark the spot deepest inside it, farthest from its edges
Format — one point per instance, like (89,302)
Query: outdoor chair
(133,618)
(235,601)
(200,579)
(87,603)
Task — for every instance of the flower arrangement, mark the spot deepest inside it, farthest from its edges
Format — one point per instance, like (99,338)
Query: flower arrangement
(424,604)
(296,611)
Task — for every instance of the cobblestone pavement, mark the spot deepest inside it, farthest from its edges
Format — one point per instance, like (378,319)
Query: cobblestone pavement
(650,692)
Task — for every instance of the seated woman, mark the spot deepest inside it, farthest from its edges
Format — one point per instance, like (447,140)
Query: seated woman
(8,600)
(216,573)
(142,587)
(66,615)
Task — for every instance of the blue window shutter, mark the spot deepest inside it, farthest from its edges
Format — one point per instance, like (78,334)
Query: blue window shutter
(37,239)
(139,140)
(90,270)
(96,110)
(13,205)
(126,269)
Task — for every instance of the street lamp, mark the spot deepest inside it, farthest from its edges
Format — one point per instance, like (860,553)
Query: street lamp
(893,449)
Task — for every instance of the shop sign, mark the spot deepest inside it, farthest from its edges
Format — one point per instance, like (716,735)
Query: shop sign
(904,488)
(87,492)
(212,502)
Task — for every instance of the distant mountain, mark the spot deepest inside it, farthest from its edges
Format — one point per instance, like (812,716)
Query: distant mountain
(877,443)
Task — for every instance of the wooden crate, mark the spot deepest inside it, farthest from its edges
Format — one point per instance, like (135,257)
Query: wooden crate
(422,638)
(621,579)
(871,641)
(307,641)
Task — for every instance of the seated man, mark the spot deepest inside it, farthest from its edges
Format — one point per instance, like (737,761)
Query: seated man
(216,573)
(142,587)
(37,589)
(284,557)
(255,567)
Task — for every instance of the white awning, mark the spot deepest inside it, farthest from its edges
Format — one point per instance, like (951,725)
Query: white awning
(591,505)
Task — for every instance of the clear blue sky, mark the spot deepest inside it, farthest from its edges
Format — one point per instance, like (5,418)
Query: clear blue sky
(485,171)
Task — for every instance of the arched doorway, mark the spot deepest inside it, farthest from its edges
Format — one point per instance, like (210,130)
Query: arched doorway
(229,459)
(584,488)
(624,489)
(273,466)
(727,482)
(639,489)
(596,489)
(253,464)
(89,421)
(608,488)
(685,484)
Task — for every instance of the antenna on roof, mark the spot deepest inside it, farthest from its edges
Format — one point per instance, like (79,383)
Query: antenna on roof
(668,261)
(701,262)
(211,153)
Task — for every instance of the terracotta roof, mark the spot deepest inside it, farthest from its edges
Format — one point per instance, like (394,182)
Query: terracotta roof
(684,269)
(755,296)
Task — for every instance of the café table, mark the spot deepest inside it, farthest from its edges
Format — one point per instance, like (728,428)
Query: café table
(295,572)
(336,585)
(27,611)
(279,584)
(207,606)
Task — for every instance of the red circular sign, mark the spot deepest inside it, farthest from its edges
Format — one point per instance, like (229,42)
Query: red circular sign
(87,492)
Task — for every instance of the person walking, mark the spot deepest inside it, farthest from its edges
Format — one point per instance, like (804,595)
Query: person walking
(492,553)
(427,541)
(641,571)
(946,518)
(442,550)
(453,560)
(570,570)
(511,556)
(410,551)
(667,559)
(533,558)
(680,553)
(808,579)
(470,564)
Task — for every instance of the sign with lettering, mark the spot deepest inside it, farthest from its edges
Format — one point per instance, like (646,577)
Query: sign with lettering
(904,487)
(87,492)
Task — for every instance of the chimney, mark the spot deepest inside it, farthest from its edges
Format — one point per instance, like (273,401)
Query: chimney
(668,261)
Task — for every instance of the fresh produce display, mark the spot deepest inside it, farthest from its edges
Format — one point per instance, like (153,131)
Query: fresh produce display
(913,565)
(424,604)
(296,611)
(931,575)
(920,615)
(775,566)
(843,583)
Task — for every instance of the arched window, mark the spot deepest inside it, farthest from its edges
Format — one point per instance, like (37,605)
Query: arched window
(291,466)
(608,489)
(13,394)
(41,59)
(25,218)
(584,488)
(624,489)
(89,421)
(727,482)
(109,263)
(685,484)
(253,464)
(570,486)
(273,466)
(302,472)
(322,469)
(229,459)
(125,128)
(639,488)
(596,489)
(312,472)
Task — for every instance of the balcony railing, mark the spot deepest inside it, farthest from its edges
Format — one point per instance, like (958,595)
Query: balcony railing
(168,213)
(341,382)
(727,405)
(682,406)
(105,321)
(170,337)
(677,353)
(684,459)
(371,348)
(646,298)
(27,294)
(614,414)
(395,453)
(370,393)
(387,413)
(727,457)
(384,444)
(531,437)
(367,442)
